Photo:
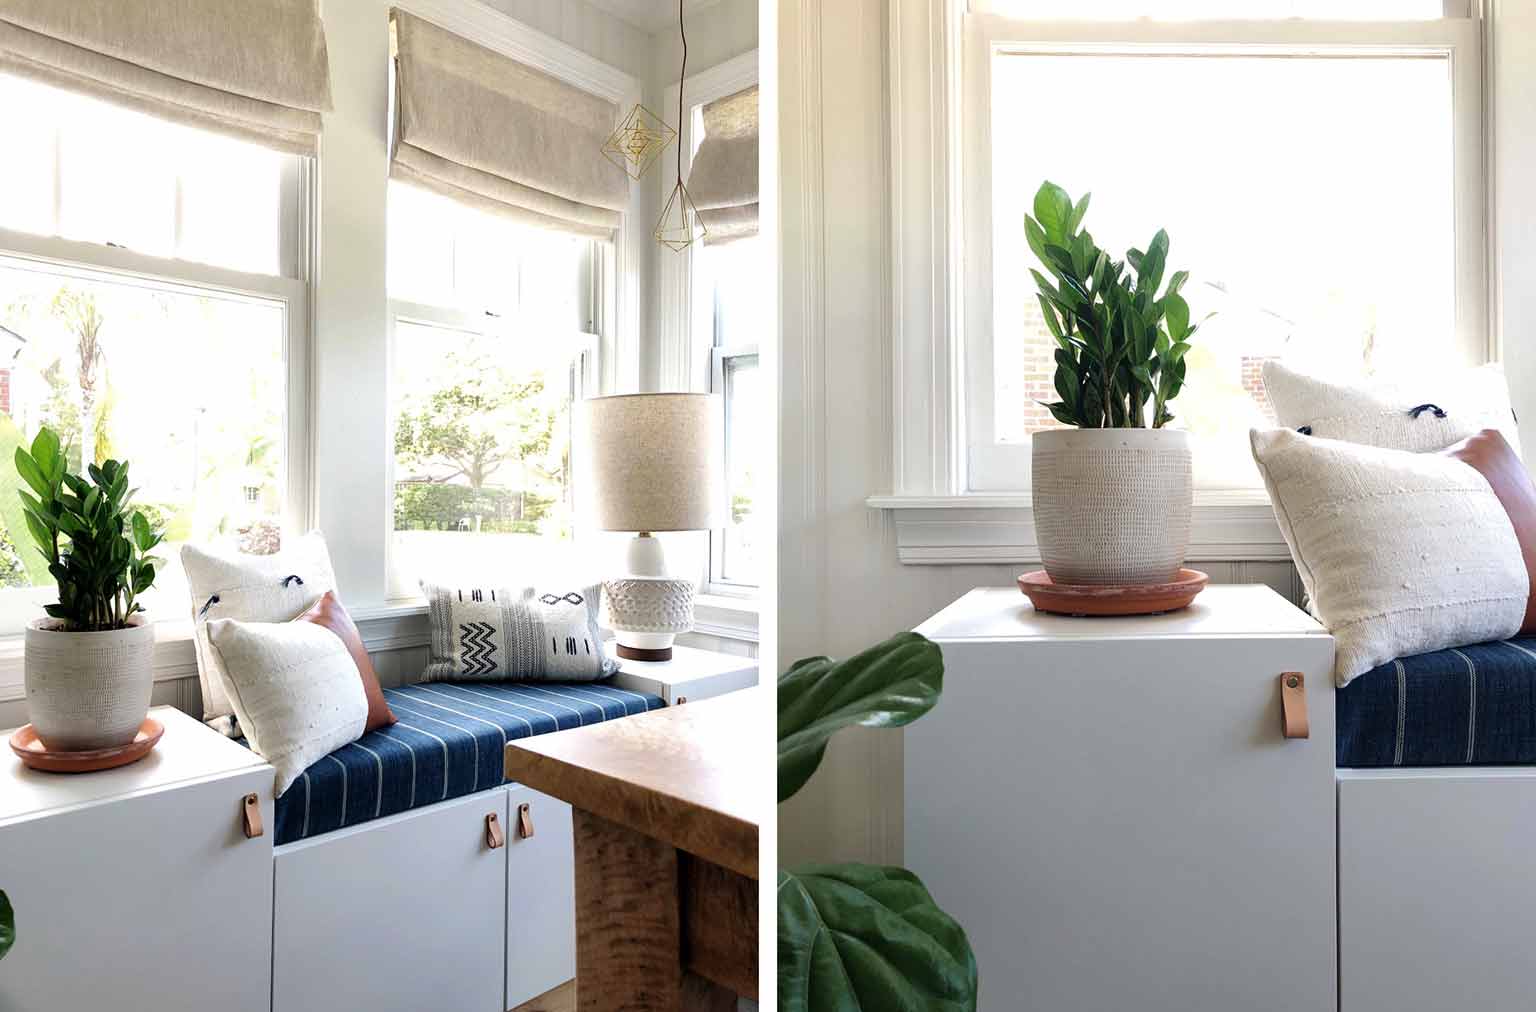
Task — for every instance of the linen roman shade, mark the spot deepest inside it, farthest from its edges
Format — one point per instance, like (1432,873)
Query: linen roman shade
(486,130)
(723,183)
(254,69)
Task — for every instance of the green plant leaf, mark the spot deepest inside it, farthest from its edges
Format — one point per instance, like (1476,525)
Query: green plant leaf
(7,924)
(858,937)
(1078,212)
(888,685)
(1035,236)
(1176,311)
(1053,210)
(31,473)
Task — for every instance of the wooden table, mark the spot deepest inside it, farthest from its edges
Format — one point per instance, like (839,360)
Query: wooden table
(667,807)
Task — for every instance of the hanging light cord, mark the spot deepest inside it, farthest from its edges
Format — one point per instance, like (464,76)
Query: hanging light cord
(682,74)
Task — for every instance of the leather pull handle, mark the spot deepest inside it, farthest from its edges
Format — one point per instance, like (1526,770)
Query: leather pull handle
(524,820)
(494,837)
(250,816)
(1293,705)
(680,700)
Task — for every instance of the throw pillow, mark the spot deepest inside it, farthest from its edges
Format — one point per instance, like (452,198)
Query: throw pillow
(1400,552)
(1491,455)
(529,634)
(252,588)
(295,689)
(327,613)
(1425,414)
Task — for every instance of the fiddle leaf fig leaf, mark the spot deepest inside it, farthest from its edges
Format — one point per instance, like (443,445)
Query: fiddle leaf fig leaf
(888,685)
(854,937)
(7,924)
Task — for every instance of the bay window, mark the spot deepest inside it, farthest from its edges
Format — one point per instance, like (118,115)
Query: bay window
(153,308)
(492,346)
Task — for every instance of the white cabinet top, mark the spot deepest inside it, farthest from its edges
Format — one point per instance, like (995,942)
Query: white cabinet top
(1004,613)
(188,751)
(688,664)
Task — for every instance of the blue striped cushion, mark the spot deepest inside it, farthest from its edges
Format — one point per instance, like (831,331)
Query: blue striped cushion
(1471,706)
(449,742)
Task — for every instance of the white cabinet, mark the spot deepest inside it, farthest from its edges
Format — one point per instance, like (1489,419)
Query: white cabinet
(1437,897)
(396,915)
(1110,809)
(691,674)
(541,896)
(137,888)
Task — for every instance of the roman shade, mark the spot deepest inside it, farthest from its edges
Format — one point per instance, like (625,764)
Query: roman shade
(253,69)
(494,133)
(723,182)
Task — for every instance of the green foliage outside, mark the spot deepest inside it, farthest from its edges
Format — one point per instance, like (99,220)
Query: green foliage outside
(423,506)
(855,936)
(1119,343)
(96,545)
(32,564)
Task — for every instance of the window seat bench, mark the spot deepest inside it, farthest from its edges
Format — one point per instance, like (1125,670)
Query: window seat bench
(448,742)
(1470,706)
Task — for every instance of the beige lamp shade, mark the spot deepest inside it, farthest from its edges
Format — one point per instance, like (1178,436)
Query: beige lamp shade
(652,462)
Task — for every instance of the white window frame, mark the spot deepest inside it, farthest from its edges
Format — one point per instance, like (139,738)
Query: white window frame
(940,63)
(585,354)
(689,358)
(172,652)
(720,358)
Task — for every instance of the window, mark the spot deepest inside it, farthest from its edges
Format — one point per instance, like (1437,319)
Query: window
(1322,187)
(484,378)
(150,310)
(733,274)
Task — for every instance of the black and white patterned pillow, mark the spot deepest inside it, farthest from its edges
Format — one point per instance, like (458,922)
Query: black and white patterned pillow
(526,634)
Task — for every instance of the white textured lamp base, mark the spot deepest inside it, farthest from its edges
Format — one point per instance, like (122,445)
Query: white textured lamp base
(647,613)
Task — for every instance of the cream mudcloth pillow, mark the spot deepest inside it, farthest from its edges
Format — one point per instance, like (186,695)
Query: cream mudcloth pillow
(1451,405)
(294,687)
(1400,552)
(252,588)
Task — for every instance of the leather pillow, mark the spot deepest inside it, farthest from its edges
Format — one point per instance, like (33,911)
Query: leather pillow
(1492,456)
(329,614)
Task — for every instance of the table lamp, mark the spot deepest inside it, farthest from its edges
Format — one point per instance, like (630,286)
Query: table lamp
(649,463)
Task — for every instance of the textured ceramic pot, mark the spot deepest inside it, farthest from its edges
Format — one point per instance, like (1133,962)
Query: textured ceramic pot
(1112,506)
(88,690)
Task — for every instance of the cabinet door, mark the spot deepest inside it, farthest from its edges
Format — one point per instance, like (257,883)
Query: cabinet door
(397,915)
(541,897)
(1437,900)
(1121,824)
(151,902)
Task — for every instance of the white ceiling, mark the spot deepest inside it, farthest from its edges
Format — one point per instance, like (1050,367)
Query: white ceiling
(650,16)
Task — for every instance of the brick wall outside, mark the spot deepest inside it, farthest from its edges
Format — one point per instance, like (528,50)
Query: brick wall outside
(5,391)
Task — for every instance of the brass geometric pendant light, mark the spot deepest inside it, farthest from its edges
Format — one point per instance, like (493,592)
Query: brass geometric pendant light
(637,141)
(679,226)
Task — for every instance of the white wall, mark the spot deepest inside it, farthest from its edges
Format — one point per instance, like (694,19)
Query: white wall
(840,585)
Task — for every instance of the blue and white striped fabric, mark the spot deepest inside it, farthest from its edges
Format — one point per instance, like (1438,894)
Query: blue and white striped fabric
(448,742)
(1469,706)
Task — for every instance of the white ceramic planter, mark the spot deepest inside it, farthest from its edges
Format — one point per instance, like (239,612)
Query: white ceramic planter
(1112,506)
(88,690)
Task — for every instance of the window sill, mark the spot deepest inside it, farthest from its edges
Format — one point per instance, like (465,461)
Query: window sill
(986,528)
(397,625)
(732,618)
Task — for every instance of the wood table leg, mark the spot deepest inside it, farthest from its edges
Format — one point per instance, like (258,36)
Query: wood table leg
(719,924)
(628,933)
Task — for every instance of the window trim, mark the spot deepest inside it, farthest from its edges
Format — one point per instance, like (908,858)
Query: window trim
(938,517)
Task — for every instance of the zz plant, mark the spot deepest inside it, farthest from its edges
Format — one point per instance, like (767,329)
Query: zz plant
(857,936)
(97,547)
(1120,343)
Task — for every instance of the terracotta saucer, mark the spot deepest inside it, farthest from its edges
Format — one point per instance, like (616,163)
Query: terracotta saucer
(29,748)
(1112,599)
